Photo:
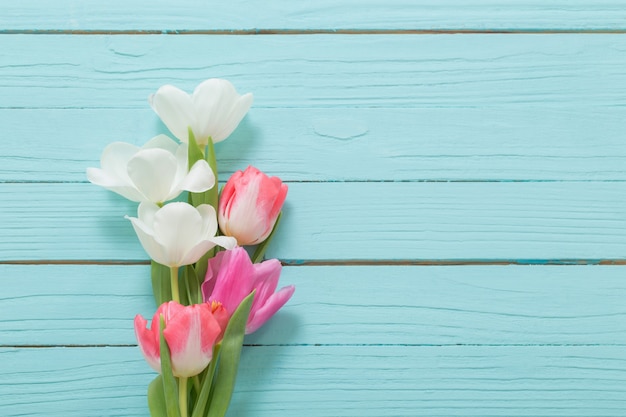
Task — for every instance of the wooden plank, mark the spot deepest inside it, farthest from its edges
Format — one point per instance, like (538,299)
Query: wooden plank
(73,305)
(323,14)
(341,305)
(404,71)
(340,381)
(413,144)
(346,221)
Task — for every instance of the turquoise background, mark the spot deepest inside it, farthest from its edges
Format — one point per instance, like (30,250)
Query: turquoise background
(456,217)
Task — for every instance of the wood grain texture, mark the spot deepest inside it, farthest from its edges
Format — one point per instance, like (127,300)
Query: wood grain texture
(579,143)
(399,147)
(346,221)
(453,71)
(339,381)
(384,305)
(30,15)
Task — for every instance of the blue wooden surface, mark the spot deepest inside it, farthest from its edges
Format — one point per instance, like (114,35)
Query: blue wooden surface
(455,227)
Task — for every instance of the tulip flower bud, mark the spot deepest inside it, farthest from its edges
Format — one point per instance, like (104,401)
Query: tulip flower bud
(249,205)
(190,333)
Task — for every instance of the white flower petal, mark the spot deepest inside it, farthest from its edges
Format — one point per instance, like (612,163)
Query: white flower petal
(178,226)
(162,142)
(227,242)
(175,108)
(236,115)
(196,252)
(182,161)
(212,100)
(146,237)
(146,212)
(115,157)
(152,172)
(102,178)
(209,220)
(199,179)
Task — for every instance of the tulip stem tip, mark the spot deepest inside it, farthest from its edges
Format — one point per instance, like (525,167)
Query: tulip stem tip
(182,396)
(174,283)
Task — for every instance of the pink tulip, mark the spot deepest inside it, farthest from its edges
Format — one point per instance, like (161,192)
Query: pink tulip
(231,276)
(190,333)
(249,205)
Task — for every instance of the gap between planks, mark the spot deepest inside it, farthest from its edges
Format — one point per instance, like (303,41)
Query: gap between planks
(305,345)
(369,181)
(353,262)
(246,32)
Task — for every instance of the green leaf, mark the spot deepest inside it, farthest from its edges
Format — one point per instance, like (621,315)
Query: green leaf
(202,265)
(203,396)
(160,283)
(195,154)
(156,398)
(193,285)
(170,389)
(262,247)
(229,359)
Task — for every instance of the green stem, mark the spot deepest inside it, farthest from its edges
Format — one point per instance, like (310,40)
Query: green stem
(182,395)
(212,161)
(196,383)
(174,283)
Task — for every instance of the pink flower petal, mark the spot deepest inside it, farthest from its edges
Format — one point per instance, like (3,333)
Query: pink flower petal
(273,304)
(147,343)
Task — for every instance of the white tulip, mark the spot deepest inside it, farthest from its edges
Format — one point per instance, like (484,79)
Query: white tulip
(213,110)
(178,233)
(156,172)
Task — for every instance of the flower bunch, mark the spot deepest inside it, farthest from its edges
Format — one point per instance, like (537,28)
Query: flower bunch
(210,292)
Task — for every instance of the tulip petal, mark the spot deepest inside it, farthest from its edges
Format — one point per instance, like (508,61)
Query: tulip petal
(273,304)
(227,196)
(178,226)
(143,226)
(146,212)
(201,248)
(190,335)
(196,252)
(211,100)
(115,157)
(199,179)
(152,171)
(153,248)
(213,266)
(100,177)
(162,142)
(175,109)
(244,221)
(279,199)
(209,220)
(226,242)
(234,280)
(235,116)
(113,175)
(147,343)
(265,281)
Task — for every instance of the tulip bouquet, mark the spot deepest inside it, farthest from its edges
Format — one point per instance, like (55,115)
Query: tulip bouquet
(206,248)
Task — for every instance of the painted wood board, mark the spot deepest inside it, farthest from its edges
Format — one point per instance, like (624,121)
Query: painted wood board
(159,16)
(343,221)
(47,305)
(480,381)
(365,71)
(576,143)
(527,127)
